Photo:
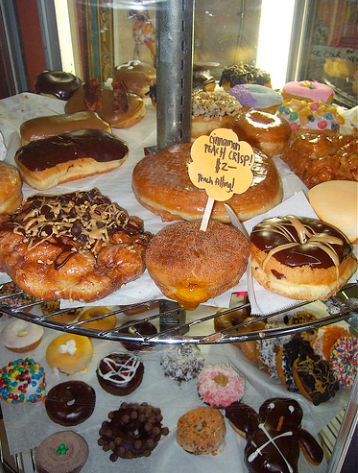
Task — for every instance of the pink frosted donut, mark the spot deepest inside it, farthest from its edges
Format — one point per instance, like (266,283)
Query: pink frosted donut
(305,89)
(344,361)
(220,385)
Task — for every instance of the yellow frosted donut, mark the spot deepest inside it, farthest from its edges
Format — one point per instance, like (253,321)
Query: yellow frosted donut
(69,353)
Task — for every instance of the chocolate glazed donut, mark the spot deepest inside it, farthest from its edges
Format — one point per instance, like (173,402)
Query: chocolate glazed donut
(70,403)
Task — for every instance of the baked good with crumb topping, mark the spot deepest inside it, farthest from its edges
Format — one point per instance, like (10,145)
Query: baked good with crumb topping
(243,74)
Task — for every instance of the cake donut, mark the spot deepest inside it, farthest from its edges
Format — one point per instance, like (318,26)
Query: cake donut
(257,97)
(182,363)
(10,188)
(133,431)
(202,431)
(136,75)
(307,90)
(220,385)
(243,74)
(69,353)
(301,258)
(343,361)
(120,373)
(59,84)
(21,381)
(262,130)
(21,336)
(161,183)
(102,324)
(70,403)
(62,452)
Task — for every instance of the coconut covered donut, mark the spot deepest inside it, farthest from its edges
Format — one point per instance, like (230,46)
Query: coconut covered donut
(21,336)
(161,183)
(301,258)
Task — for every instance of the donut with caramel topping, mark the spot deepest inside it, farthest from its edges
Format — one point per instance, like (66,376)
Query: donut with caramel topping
(300,257)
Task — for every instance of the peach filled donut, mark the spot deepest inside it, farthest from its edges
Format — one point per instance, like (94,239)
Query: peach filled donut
(69,353)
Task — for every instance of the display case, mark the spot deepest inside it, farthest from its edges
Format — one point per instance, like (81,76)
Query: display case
(292,40)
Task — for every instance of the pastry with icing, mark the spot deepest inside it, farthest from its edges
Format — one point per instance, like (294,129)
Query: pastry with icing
(69,353)
(307,90)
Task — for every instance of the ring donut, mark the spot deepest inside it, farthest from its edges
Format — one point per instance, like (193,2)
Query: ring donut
(21,336)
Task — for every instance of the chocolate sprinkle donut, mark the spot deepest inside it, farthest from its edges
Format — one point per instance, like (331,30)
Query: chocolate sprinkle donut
(133,431)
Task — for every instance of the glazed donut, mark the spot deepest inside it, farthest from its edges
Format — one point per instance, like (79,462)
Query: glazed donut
(21,336)
(202,431)
(161,183)
(10,188)
(43,127)
(301,258)
(70,403)
(61,452)
(69,353)
(318,158)
(343,361)
(243,74)
(120,373)
(117,107)
(104,324)
(133,431)
(57,83)
(192,266)
(182,363)
(257,97)
(264,131)
(311,117)
(220,385)
(22,381)
(137,76)
(307,90)
(212,110)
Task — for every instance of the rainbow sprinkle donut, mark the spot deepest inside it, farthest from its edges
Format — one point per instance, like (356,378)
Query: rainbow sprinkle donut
(22,381)
(220,385)
(344,361)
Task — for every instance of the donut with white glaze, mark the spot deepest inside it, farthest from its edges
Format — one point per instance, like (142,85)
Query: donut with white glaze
(21,336)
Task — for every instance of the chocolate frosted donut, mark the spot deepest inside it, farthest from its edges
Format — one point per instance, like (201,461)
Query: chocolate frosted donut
(58,83)
(70,403)
(140,330)
(120,373)
(301,258)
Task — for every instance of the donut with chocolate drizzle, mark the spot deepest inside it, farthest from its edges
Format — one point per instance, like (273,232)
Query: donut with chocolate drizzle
(300,257)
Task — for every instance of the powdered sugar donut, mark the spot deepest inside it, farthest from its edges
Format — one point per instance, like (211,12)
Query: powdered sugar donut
(220,385)
(22,381)
(344,361)
(21,336)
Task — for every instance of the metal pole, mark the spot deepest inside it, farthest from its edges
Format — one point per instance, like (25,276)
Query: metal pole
(175,20)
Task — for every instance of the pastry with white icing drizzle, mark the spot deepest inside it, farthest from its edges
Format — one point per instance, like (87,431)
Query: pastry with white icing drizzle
(301,258)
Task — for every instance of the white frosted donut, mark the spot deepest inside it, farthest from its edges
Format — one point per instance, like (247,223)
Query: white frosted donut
(256,96)
(21,336)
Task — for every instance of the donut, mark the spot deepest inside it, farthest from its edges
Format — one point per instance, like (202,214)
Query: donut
(21,381)
(311,117)
(191,266)
(201,431)
(140,330)
(46,163)
(301,258)
(7,298)
(137,76)
(220,385)
(307,90)
(326,338)
(69,353)
(70,403)
(59,84)
(257,97)
(103,324)
(343,361)
(251,349)
(64,317)
(116,106)
(40,128)
(243,74)
(120,373)
(262,130)
(10,188)
(226,321)
(268,348)
(319,158)
(161,183)
(21,336)
(212,110)
(304,316)
(336,202)
(132,431)
(202,78)
(62,452)
(182,363)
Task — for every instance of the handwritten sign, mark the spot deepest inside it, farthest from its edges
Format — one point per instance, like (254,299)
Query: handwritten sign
(221,165)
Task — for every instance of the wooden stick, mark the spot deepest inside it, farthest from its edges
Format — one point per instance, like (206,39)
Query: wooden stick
(207,213)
